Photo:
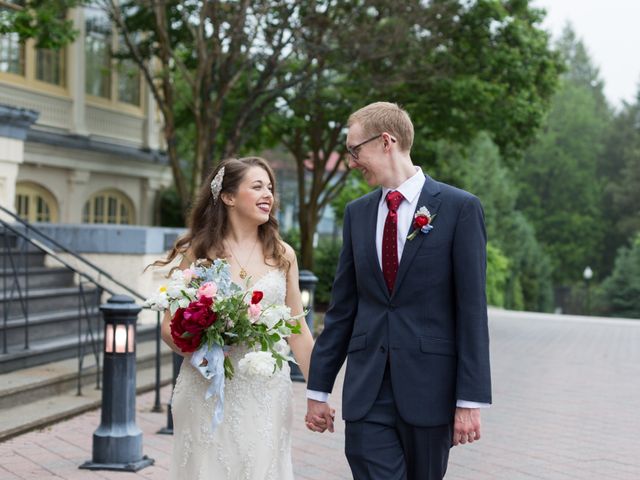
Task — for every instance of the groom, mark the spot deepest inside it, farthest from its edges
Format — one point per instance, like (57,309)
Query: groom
(408,311)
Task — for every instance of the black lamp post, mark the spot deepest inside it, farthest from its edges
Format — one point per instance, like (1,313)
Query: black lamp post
(588,275)
(117,443)
(307,284)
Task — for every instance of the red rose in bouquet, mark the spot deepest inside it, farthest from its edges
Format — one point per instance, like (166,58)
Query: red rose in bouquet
(188,324)
(198,315)
(185,341)
(256,297)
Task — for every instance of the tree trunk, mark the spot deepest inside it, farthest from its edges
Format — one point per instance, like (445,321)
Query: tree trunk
(307,230)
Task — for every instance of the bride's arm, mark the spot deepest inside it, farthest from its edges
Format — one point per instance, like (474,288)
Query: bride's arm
(165,329)
(302,343)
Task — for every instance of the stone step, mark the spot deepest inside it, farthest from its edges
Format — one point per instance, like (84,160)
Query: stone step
(43,326)
(41,300)
(8,239)
(33,258)
(23,386)
(45,411)
(42,352)
(39,277)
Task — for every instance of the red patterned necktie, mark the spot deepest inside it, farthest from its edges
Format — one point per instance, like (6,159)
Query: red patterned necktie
(390,240)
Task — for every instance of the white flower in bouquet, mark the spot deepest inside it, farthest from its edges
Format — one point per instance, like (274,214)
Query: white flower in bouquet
(177,276)
(282,347)
(261,364)
(176,289)
(159,301)
(182,276)
(272,315)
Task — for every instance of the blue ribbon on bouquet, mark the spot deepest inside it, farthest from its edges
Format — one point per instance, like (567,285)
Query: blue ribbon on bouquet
(214,371)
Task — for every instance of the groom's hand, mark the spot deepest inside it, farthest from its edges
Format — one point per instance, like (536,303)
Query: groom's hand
(319,416)
(466,426)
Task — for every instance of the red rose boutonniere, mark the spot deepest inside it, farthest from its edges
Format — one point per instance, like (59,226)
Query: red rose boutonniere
(421,222)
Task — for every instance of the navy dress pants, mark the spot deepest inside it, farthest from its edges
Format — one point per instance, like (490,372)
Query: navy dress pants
(382,446)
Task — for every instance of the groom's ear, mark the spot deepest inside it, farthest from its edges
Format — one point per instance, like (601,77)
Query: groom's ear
(387,139)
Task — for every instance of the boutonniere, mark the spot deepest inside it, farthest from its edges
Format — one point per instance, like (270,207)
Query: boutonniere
(421,222)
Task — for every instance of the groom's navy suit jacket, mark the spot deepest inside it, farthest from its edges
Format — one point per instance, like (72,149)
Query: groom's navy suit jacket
(432,328)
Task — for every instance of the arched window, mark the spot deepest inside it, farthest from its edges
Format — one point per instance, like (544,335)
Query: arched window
(108,206)
(34,203)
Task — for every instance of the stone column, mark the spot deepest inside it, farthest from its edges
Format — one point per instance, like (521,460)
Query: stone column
(76,76)
(14,125)
(76,196)
(148,198)
(152,126)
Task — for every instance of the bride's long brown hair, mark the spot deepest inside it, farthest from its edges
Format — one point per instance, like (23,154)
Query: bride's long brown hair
(208,221)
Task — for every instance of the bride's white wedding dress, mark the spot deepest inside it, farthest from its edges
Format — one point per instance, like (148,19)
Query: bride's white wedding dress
(253,442)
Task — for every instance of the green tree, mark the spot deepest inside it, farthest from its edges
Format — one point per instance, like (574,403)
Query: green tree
(623,157)
(621,290)
(618,168)
(560,191)
(219,63)
(459,68)
(497,275)
(42,20)
(479,168)
(484,65)
(311,116)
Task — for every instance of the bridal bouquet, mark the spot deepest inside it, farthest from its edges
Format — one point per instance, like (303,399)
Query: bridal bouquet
(210,313)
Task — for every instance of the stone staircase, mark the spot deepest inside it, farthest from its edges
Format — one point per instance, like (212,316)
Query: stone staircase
(34,397)
(39,368)
(51,299)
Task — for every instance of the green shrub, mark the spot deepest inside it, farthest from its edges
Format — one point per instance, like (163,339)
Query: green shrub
(621,290)
(497,275)
(326,261)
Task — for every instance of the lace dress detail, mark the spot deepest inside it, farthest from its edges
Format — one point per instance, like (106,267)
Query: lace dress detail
(253,442)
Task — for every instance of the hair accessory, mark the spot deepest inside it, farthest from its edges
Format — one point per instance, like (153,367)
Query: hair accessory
(216,184)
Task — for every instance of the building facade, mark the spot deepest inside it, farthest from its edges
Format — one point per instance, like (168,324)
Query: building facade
(80,134)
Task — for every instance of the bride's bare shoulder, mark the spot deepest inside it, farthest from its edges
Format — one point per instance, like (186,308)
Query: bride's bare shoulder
(187,259)
(289,252)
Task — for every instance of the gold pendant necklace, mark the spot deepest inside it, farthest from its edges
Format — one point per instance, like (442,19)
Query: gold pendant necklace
(243,272)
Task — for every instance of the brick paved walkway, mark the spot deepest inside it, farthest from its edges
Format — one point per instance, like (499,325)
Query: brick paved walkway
(566,396)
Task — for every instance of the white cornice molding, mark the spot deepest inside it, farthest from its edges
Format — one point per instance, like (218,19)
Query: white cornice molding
(91,161)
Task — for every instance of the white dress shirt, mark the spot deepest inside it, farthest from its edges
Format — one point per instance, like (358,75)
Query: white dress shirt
(410,190)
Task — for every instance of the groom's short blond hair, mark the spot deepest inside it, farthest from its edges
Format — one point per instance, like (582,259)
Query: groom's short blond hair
(387,117)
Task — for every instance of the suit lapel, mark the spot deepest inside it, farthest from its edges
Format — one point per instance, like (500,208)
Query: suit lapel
(370,242)
(428,198)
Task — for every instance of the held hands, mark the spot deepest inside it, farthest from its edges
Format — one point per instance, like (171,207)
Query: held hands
(319,416)
(466,426)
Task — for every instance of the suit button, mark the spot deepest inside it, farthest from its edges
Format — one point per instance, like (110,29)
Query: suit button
(382,349)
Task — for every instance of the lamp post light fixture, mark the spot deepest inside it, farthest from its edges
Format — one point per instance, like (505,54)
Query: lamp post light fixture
(307,284)
(117,442)
(588,275)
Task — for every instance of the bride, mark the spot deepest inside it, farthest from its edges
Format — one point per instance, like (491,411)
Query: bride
(233,218)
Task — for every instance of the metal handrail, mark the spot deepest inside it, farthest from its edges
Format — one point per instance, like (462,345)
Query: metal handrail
(101,287)
(53,254)
(61,247)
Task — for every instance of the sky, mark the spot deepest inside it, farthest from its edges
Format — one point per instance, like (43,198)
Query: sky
(609,29)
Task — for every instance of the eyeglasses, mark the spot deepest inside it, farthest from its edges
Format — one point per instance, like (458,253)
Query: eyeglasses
(353,151)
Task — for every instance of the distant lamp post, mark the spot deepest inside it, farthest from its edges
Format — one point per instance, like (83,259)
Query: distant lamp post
(588,275)
(117,443)
(307,284)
